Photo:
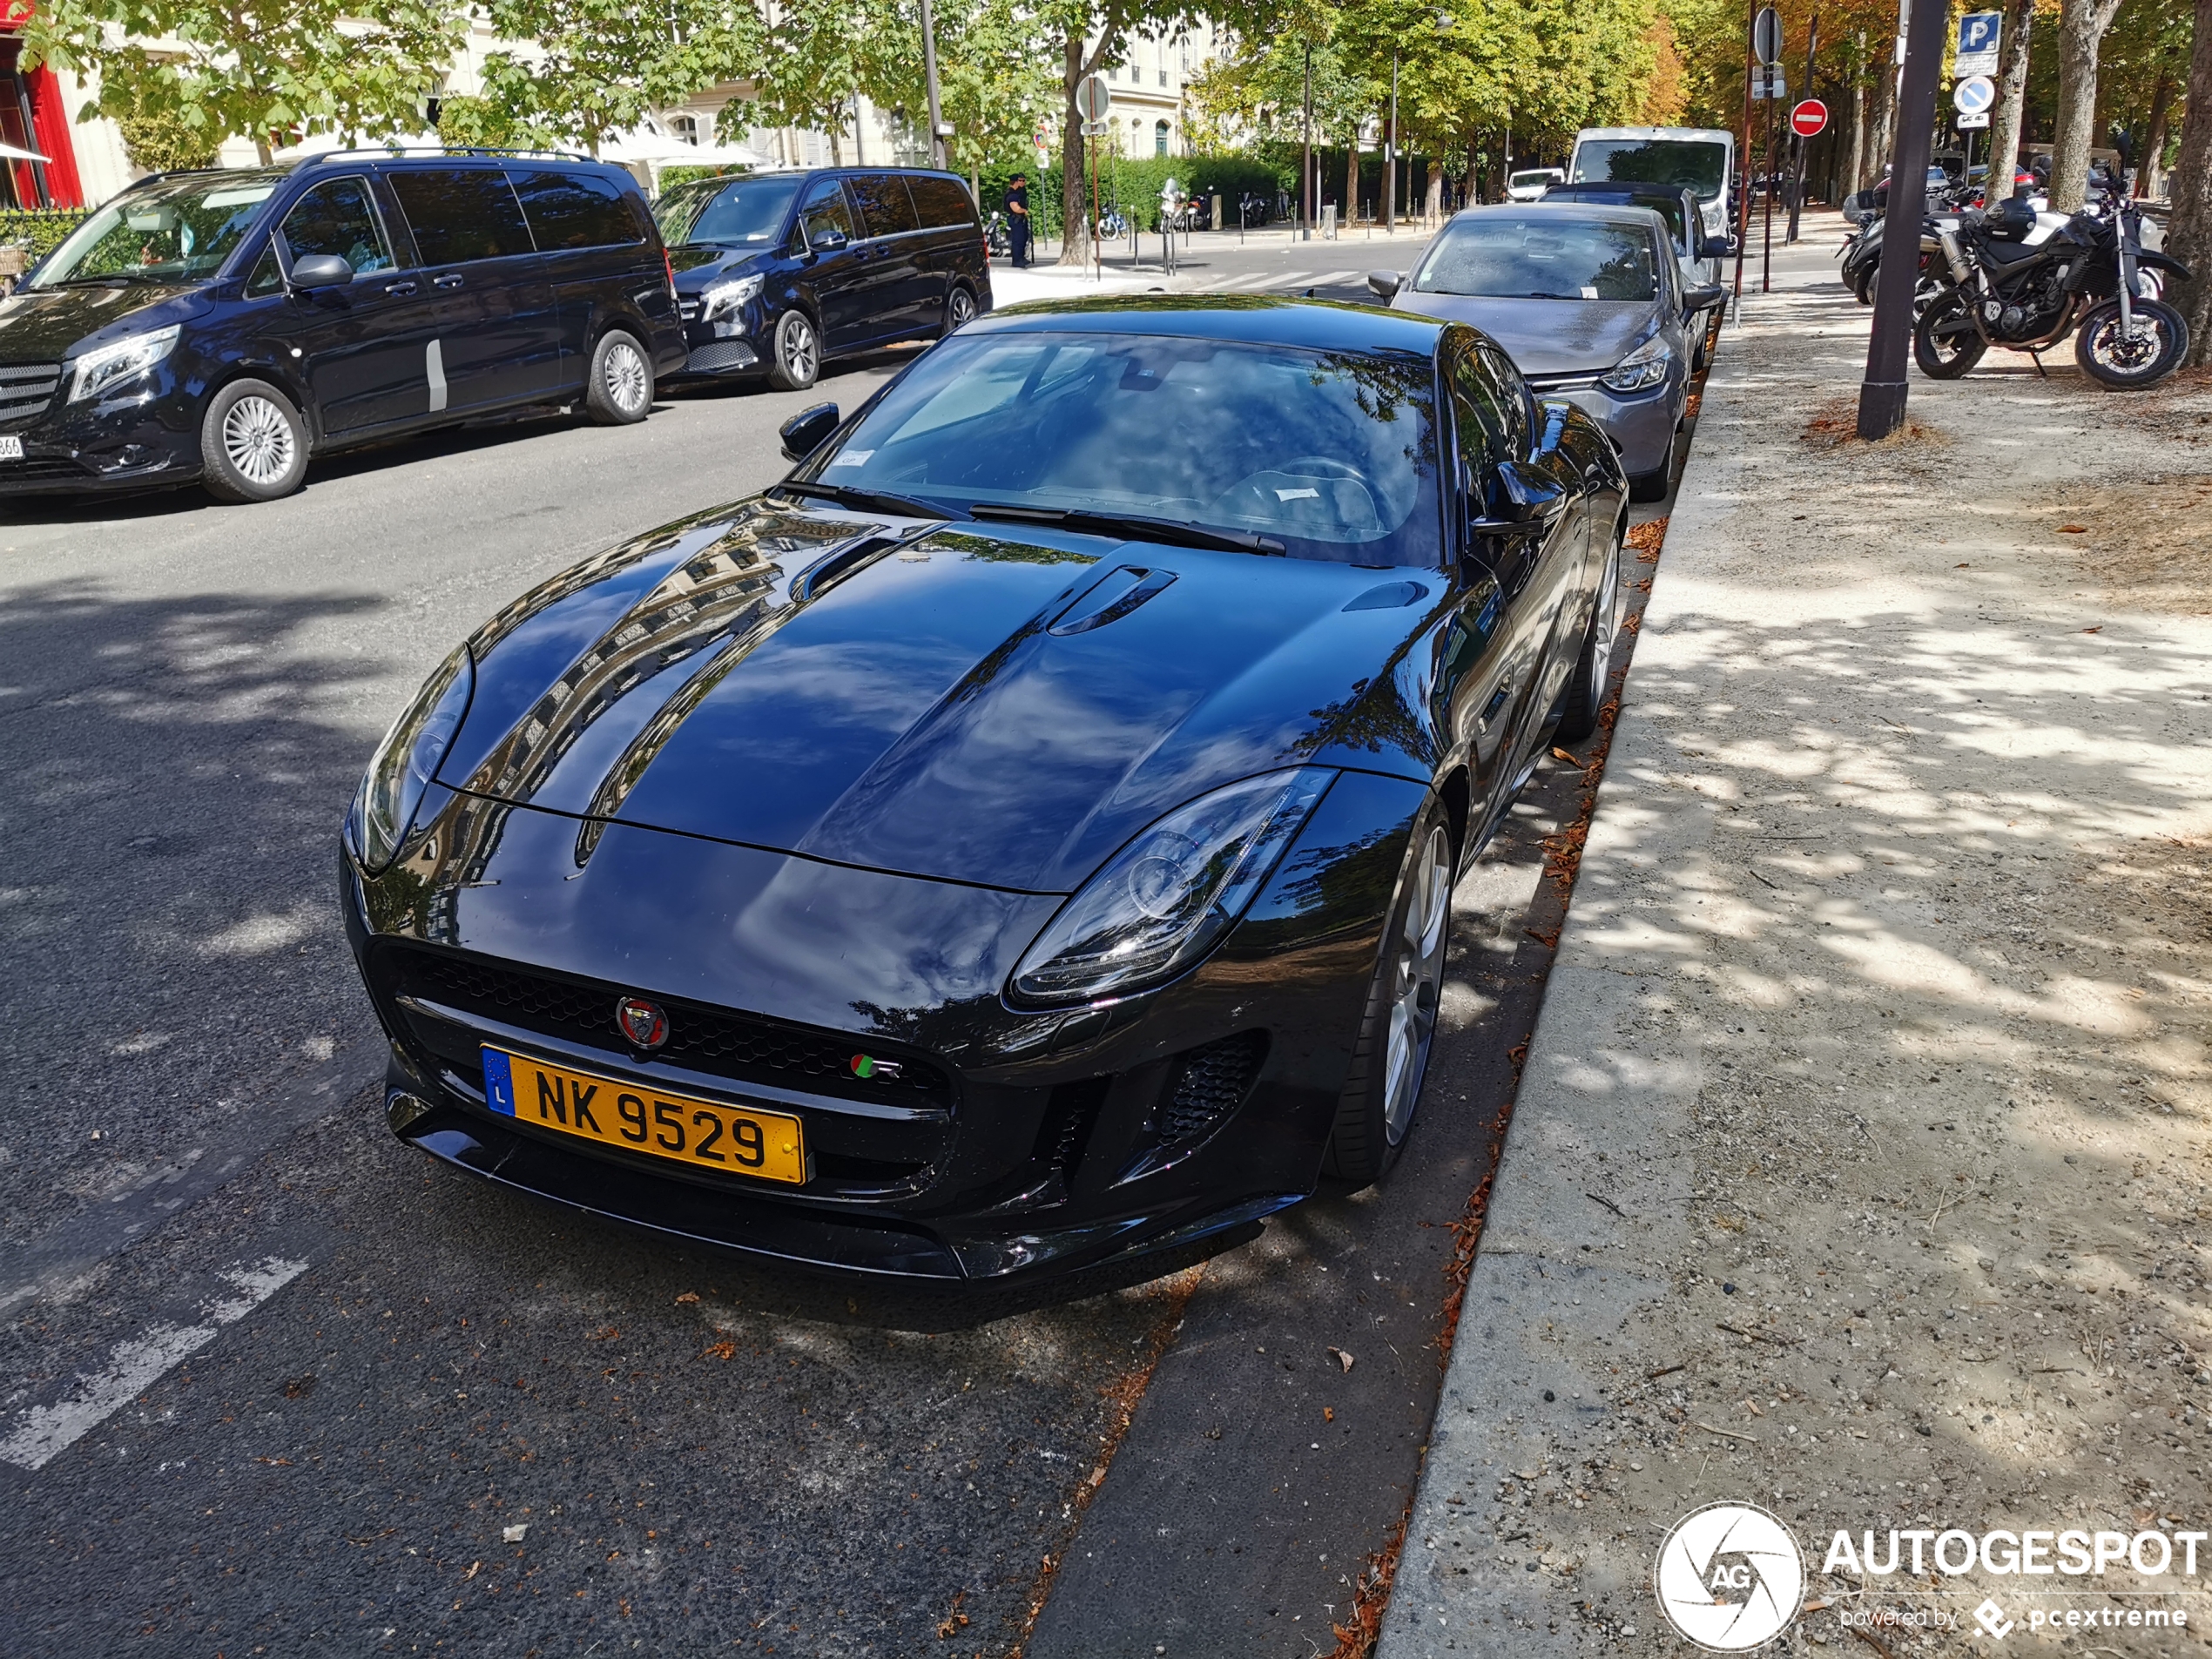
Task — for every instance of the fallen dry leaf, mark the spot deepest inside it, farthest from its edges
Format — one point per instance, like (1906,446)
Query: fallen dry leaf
(1561,754)
(474,1567)
(2073,529)
(687,1298)
(2098,629)
(1328,1413)
(724,1348)
(1341,1357)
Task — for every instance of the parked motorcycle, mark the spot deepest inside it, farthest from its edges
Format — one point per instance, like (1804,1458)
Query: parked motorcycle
(2093,277)
(997,238)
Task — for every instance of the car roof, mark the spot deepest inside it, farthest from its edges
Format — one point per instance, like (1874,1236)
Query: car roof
(1594,188)
(1590,212)
(1260,319)
(1716,135)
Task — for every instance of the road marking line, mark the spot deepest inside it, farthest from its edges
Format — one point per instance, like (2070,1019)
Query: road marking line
(44,1432)
(1333,279)
(1250,281)
(1287,279)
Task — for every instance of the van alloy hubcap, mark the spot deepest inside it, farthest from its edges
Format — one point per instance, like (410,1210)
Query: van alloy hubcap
(963,309)
(257,440)
(625,377)
(799,349)
(1416,971)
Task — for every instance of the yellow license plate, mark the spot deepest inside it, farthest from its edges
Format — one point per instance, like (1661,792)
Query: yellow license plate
(703,1134)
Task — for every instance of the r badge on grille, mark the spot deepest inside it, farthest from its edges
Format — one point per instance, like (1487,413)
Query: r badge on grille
(643,1022)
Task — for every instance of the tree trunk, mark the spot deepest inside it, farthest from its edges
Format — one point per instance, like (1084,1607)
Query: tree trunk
(1075,194)
(2012,101)
(1474,172)
(2082,31)
(1884,119)
(2150,155)
(2189,238)
(1350,178)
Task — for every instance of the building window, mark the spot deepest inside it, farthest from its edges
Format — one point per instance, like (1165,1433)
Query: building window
(686,127)
(1163,77)
(1160,139)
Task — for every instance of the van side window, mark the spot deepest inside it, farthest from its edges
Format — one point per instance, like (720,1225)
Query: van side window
(943,204)
(824,210)
(338,217)
(458,214)
(886,209)
(574,210)
(267,279)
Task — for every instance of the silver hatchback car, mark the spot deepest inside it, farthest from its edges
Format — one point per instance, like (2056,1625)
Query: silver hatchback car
(1589,302)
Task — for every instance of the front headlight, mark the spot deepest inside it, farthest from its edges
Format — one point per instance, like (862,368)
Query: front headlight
(406,762)
(112,365)
(719,298)
(1641,369)
(1165,899)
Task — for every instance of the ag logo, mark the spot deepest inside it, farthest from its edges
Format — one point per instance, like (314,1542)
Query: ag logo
(1730,1577)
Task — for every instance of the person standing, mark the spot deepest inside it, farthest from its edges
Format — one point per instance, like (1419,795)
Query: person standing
(1017,214)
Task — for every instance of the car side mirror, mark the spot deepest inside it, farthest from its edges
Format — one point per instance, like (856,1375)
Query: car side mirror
(1716,247)
(1703,297)
(1384,283)
(828,240)
(808,431)
(321,271)
(1525,500)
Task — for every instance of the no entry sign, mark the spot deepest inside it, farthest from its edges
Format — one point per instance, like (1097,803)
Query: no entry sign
(1809,118)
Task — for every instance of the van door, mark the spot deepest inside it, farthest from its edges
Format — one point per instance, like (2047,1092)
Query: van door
(951,238)
(360,347)
(896,285)
(594,248)
(500,336)
(836,274)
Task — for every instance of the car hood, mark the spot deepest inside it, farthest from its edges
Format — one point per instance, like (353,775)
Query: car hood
(1546,336)
(697,264)
(965,702)
(46,325)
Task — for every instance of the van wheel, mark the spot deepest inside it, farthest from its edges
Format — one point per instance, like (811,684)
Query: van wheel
(620,390)
(797,360)
(959,309)
(253,446)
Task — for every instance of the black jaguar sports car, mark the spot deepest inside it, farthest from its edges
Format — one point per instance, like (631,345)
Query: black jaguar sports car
(1023,837)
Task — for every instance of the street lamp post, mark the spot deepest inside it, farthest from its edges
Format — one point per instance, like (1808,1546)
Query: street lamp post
(1390,153)
(1881,394)
(1306,183)
(929,74)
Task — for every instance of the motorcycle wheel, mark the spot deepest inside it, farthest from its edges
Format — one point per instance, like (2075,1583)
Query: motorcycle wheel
(1944,357)
(2125,362)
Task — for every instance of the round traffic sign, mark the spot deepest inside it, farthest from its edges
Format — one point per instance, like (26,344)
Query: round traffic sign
(1974,95)
(1809,118)
(1092,99)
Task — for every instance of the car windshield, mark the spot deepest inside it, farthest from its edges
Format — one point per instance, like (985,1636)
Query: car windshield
(1699,164)
(749,214)
(1329,453)
(1541,256)
(178,229)
(1540,176)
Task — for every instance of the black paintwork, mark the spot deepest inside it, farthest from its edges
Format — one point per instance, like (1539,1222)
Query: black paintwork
(826,774)
(873,291)
(352,360)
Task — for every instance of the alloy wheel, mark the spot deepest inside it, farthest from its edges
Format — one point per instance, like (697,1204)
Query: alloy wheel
(256,439)
(959,310)
(799,349)
(628,382)
(2129,352)
(1417,973)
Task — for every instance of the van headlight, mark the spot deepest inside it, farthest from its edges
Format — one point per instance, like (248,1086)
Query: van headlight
(404,763)
(722,298)
(112,365)
(1642,369)
(1167,898)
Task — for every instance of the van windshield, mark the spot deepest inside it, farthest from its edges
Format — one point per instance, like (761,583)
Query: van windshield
(748,213)
(180,230)
(1699,163)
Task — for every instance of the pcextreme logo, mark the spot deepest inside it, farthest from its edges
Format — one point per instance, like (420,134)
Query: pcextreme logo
(1730,1577)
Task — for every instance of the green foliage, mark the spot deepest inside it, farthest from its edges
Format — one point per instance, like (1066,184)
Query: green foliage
(1044,192)
(41,232)
(669,178)
(161,142)
(274,71)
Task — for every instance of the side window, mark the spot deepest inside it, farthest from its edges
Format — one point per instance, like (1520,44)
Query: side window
(1510,395)
(568,210)
(1484,437)
(337,217)
(886,209)
(943,204)
(825,210)
(267,279)
(458,214)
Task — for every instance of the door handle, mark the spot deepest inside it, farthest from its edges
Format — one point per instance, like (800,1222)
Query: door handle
(450,279)
(402,289)
(1497,703)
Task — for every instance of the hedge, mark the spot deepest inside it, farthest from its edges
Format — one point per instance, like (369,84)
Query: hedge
(42,232)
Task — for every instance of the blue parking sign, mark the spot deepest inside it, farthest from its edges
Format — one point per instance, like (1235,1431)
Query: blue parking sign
(1978,37)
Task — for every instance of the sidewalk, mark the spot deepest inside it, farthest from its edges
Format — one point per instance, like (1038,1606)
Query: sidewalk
(1858,1164)
(1265,260)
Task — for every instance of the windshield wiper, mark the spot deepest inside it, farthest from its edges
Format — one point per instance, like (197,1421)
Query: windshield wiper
(1136,526)
(868,501)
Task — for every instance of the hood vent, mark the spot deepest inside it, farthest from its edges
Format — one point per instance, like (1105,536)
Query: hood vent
(1111,598)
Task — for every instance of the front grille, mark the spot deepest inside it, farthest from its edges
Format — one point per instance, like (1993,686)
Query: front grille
(721,357)
(26,389)
(1542,383)
(1210,1083)
(714,1040)
(689,306)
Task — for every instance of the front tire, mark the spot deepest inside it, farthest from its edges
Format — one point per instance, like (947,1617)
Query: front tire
(1390,1060)
(1946,357)
(795,359)
(2123,362)
(252,444)
(1594,667)
(620,389)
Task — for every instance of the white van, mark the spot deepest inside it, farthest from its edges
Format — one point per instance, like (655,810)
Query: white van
(1702,158)
(1529,184)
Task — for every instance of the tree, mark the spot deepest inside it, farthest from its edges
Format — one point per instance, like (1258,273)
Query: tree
(2005,123)
(1105,25)
(2082,30)
(585,69)
(815,61)
(2190,239)
(273,70)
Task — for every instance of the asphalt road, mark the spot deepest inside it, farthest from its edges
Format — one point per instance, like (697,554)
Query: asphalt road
(269,1381)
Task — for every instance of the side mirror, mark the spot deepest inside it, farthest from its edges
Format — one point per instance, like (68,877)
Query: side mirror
(1526,500)
(1703,297)
(828,240)
(1716,247)
(1384,283)
(808,431)
(321,271)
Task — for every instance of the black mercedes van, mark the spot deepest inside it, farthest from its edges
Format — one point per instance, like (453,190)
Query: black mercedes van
(223,327)
(777,272)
